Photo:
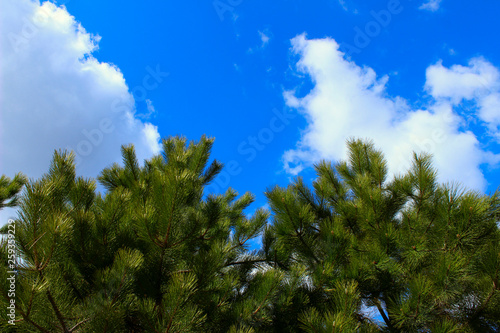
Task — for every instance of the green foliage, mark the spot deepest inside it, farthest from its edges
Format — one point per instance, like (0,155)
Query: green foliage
(155,253)
(422,253)
(9,190)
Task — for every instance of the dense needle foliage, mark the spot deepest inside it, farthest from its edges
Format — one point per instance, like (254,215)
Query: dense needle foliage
(155,253)
(425,255)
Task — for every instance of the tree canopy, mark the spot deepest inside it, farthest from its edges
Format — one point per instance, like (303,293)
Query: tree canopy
(425,255)
(156,253)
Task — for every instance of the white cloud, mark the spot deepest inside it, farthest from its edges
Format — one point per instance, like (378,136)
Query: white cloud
(478,82)
(152,138)
(55,94)
(264,38)
(351,101)
(431,5)
(461,82)
(150,107)
(151,111)
(343,4)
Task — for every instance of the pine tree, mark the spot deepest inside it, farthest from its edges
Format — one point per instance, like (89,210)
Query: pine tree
(196,262)
(155,253)
(425,255)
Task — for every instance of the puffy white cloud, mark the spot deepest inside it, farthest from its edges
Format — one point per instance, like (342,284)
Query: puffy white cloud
(55,95)
(431,5)
(478,82)
(151,138)
(461,82)
(351,101)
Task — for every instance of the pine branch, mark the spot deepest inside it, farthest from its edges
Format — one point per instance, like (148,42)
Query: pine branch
(40,328)
(255,261)
(299,235)
(56,310)
(387,321)
(486,301)
(79,324)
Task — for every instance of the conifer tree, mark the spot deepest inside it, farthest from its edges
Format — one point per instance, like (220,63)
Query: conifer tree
(196,263)
(425,255)
(154,254)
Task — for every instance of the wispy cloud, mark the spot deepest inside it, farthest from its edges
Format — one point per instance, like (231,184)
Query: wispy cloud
(264,38)
(151,111)
(343,4)
(431,5)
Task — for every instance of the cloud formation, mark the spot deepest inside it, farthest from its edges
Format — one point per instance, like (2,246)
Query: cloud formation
(56,95)
(431,5)
(478,82)
(264,39)
(351,101)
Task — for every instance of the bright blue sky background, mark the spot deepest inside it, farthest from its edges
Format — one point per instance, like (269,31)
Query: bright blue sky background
(227,76)
(218,87)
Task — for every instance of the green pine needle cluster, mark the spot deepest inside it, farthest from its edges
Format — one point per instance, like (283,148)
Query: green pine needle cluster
(155,253)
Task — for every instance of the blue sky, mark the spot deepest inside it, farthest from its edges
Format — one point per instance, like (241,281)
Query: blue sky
(280,85)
